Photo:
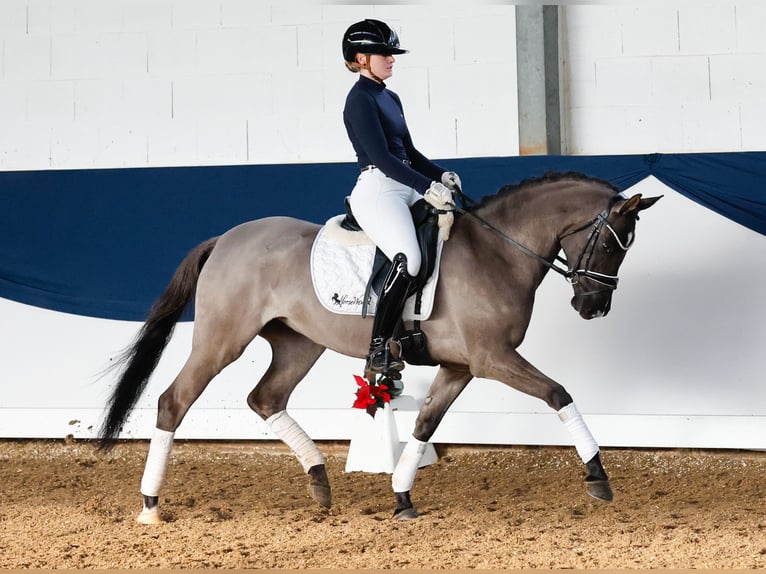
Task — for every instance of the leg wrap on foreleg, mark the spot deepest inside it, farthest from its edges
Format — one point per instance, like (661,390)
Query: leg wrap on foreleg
(586,445)
(156,462)
(404,473)
(288,431)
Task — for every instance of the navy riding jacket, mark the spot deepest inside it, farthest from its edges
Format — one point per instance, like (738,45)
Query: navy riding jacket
(375,124)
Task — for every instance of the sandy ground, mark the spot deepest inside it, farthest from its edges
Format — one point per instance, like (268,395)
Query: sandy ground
(245,505)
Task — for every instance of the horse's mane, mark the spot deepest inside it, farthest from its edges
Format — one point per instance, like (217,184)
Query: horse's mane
(548,177)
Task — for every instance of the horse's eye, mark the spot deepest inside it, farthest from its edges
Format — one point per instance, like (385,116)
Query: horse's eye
(606,248)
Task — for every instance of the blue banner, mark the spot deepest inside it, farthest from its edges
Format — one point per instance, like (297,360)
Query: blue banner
(104,243)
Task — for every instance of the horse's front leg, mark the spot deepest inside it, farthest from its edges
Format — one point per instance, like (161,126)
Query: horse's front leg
(510,368)
(446,387)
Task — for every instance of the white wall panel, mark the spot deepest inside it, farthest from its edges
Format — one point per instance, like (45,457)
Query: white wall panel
(77,57)
(74,144)
(45,17)
(50,101)
(195,14)
(122,143)
(170,141)
(711,126)
(707,28)
(171,54)
(740,77)
(25,145)
(680,80)
(13,17)
(248,63)
(141,16)
(753,117)
(624,80)
(648,30)
(702,62)
(26,58)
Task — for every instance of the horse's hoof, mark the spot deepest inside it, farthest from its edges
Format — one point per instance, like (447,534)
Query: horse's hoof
(406,514)
(600,489)
(321,493)
(319,485)
(150,516)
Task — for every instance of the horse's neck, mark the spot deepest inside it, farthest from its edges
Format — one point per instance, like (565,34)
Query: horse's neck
(538,215)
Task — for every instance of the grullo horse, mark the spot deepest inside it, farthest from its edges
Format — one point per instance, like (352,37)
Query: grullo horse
(255,280)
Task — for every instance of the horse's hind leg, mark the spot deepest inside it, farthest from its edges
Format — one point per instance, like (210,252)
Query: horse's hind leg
(215,346)
(293,355)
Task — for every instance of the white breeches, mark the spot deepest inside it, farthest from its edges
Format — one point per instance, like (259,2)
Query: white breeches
(381,206)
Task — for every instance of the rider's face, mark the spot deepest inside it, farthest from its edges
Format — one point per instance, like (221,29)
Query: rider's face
(381,66)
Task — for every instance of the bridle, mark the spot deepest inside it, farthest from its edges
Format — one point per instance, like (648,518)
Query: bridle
(572,273)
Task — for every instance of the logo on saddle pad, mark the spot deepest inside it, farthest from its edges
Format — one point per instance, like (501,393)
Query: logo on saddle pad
(340,301)
(341,264)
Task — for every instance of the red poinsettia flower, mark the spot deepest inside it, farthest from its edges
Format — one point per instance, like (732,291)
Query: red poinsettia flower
(370,397)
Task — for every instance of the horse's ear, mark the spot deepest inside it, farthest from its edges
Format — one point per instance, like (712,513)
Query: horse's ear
(636,204)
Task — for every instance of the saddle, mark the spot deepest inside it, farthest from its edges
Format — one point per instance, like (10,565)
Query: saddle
(425,218)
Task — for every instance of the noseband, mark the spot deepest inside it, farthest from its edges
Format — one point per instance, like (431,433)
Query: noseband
(578,270)
(572,273)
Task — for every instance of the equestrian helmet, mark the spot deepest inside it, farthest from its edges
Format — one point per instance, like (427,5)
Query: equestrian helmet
(370,37)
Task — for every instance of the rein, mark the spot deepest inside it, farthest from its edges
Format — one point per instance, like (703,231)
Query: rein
(571,273)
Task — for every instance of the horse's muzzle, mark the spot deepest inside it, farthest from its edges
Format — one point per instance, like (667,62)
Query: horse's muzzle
(593,305)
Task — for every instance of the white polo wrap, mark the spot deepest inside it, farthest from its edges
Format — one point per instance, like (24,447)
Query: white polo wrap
(156,462)
(288,431)
(404,472)
(586,445)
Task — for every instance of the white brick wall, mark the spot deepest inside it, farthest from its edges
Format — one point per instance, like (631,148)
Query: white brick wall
(187,82)
(665,78)
(113,83)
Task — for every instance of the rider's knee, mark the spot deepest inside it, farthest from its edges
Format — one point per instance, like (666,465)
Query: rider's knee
(413,261)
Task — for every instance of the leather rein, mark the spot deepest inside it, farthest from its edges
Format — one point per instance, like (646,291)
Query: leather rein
(572,273)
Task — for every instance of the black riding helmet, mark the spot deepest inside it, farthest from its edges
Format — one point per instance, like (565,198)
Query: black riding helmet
(370,37)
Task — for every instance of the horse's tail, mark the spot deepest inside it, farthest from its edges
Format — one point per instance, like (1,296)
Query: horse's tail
(141,358)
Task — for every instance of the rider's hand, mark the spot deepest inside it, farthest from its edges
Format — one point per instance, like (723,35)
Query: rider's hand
(452,180)
(439,196)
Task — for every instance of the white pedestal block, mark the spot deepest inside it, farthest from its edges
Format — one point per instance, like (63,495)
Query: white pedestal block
(375,445)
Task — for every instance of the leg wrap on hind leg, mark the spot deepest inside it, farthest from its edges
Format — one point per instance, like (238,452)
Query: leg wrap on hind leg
(288,431)
(404,473)
(156,462)
(586,445)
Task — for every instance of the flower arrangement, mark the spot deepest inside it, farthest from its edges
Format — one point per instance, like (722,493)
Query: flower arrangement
(371,397)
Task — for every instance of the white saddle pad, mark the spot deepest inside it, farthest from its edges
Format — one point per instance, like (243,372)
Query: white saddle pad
(341,264)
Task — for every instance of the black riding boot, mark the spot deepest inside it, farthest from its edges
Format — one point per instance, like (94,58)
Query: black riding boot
(390,305)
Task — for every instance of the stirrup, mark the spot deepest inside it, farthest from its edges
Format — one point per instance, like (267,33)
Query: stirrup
(381,360)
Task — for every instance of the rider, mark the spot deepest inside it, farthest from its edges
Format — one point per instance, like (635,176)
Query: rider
(394,175)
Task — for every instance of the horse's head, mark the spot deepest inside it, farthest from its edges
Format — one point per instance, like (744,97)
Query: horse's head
(595,251)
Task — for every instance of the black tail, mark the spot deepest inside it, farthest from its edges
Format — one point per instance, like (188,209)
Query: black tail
(141,358)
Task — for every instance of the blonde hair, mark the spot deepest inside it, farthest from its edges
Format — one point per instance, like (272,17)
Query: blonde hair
(354,67)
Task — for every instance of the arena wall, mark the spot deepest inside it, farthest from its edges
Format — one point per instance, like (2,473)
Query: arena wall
(105,84)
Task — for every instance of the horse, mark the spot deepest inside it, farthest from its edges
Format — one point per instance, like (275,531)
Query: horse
(254,280)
